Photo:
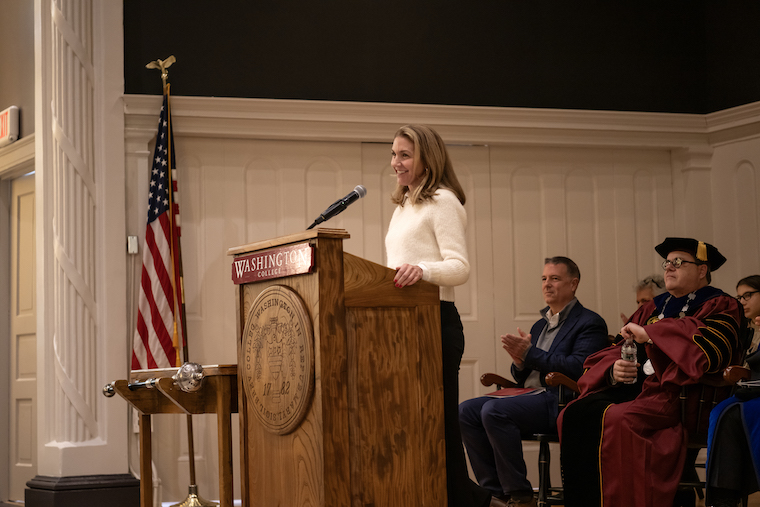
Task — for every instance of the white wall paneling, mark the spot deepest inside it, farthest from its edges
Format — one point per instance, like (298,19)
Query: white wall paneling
(600,187)
(581,203)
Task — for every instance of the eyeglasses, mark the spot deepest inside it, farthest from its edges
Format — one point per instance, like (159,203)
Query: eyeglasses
(648,280)
(676,263)
(746,296)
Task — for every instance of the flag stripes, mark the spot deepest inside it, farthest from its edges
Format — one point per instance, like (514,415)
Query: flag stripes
(155,343)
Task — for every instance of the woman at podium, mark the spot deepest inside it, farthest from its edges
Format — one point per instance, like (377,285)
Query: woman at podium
(426,241)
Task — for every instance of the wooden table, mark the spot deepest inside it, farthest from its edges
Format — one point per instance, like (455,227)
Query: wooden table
(218,394)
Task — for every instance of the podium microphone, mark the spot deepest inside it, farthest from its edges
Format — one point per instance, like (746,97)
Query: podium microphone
(341,204)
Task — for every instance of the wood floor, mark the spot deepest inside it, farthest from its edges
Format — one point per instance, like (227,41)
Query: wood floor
(754,501)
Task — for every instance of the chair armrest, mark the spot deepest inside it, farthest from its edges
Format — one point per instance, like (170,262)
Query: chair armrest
(556,378)
(489,379)
(715,380)
(735,373)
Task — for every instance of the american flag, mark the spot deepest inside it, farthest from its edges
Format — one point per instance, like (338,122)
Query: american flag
(160,330)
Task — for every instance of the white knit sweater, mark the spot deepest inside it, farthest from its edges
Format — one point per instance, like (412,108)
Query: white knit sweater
(431,235)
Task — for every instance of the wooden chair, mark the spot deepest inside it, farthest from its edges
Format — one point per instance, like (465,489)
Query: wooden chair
(568,390)
(700,399)
(547,495)
(703,397)
(733,374)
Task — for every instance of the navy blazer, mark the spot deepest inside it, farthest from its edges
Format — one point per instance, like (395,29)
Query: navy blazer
(583,333)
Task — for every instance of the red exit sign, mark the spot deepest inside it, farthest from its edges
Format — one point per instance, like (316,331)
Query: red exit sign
(8,126)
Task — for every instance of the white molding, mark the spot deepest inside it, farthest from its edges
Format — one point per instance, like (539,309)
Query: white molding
(17,158)
(739,123)
(376,122)
(694,158)
(733,117)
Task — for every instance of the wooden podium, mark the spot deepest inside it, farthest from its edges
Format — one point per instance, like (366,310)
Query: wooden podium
(353,414)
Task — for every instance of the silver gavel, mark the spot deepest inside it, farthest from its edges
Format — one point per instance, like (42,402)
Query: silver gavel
(189,378)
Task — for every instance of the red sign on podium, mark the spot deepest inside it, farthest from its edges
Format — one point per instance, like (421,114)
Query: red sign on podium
(276,263)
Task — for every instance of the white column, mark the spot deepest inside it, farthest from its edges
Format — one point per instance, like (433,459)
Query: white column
(81,240)
(692,186)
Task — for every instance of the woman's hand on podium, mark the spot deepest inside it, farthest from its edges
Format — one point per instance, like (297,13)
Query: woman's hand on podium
(407,274)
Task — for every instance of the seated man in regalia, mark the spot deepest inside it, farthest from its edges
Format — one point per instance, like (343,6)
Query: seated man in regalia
(622,441)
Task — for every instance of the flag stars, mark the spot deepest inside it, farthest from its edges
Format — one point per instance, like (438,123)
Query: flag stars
(159,198)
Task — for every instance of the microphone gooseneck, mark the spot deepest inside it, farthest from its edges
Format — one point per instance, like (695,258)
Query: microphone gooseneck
(340,205)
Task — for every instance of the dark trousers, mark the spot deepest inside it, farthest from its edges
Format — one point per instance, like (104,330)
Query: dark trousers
(462,492)
(492,429)
(582,429)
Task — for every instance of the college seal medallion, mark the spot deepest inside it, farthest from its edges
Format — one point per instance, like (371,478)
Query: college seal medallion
(278,359)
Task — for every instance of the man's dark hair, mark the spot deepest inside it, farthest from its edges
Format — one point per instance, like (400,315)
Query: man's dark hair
(572,268)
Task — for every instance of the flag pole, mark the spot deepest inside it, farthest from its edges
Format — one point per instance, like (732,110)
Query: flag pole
(193,499)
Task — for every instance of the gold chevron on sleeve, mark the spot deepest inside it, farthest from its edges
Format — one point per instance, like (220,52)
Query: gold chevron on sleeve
(717,339)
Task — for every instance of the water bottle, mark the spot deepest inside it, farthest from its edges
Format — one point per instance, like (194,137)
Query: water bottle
(628,353)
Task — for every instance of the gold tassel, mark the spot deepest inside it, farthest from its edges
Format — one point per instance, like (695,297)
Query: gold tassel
(702,251)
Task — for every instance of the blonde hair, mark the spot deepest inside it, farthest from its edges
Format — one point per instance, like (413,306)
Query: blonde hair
(430,151)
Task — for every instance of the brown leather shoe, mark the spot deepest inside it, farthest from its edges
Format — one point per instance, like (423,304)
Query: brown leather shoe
(498,502)
(527,503)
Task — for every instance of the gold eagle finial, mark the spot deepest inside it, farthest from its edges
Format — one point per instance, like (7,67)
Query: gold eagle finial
(162,65)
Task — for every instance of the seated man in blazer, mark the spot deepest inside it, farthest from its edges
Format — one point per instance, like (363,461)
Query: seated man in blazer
(492,428)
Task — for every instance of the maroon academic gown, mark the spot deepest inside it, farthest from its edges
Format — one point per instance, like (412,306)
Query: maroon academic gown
(642,449)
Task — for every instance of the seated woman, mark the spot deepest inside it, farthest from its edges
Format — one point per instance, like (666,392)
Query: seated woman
(733,448)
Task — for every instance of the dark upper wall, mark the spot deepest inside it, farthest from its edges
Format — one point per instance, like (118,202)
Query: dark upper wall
(651,55)
(732,71)
(17,61)
(691,56)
